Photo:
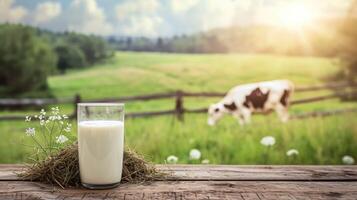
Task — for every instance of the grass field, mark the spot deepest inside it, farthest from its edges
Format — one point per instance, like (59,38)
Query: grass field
(319,140)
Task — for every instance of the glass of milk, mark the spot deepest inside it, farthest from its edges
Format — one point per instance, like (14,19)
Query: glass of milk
(100,144)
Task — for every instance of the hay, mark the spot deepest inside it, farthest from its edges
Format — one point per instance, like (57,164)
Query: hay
(62,169)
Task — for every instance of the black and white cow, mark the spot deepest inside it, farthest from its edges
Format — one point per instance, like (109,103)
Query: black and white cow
(262,97)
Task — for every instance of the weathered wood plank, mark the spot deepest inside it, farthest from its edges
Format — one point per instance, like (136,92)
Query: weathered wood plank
(235,172)
(206,182)
(188,190)
(8,171)
(260,172)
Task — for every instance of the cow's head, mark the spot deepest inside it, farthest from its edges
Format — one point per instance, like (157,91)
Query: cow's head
(216,111)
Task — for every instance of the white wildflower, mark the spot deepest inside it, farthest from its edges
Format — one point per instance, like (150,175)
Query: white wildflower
(195,154)
(35,116)
(292,152)
(68,128)
(172,159)
(61,122)
(42,122)
(61,139)
(28,119)
(205,161)
(41,117)
(42,112)
(30,131)
(348,160)
(268,141)
(47,121)
(55,111)
(55,117)
(65,116)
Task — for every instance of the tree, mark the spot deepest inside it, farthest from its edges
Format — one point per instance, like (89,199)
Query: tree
(159,44)
(69,56)
(93,47)
(128,43)
(349,45)
(25,60)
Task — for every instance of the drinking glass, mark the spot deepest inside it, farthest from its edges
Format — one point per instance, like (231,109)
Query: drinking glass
(100,144)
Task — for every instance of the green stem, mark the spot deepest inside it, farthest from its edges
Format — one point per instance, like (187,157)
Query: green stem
(266,156)
(51,140)
(43,149)
(44,133)
(61,130)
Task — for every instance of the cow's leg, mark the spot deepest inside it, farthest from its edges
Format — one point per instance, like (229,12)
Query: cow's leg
(239,118)
(241,121)
(246,114)
(282,112)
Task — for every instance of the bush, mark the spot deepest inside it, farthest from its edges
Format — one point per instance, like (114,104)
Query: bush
(25,60)
(93,47)
(69,56)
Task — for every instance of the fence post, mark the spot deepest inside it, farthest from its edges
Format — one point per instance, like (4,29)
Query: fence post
(179,105)
(77,99)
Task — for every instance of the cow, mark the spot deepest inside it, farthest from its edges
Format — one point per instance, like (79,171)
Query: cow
(261,97)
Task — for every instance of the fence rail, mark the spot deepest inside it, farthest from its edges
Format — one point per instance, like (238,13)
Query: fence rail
(179,109)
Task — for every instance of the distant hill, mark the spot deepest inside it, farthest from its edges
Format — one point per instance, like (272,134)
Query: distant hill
(321,39)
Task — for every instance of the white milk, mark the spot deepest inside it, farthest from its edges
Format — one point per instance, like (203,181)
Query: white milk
(101,147)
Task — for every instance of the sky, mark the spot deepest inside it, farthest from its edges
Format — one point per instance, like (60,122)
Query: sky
(153,18)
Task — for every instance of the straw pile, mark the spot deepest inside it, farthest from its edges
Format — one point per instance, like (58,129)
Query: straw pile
(62,169)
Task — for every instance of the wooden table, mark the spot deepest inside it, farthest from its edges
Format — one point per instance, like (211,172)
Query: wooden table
(206,182)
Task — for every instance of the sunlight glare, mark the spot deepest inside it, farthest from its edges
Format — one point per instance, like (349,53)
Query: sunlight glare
(295,16)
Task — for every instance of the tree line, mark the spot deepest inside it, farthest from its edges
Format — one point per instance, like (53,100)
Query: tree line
(28,55)
(198,43)
(253,38)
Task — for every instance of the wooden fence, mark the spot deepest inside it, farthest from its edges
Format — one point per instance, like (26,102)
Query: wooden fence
(178,96)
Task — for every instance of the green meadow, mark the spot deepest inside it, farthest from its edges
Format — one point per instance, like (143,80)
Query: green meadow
(318,140)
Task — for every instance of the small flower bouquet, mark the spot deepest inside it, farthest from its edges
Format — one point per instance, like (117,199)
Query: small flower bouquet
(55,159)
(50,134)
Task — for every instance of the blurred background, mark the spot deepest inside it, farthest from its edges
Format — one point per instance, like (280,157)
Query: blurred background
(169,60)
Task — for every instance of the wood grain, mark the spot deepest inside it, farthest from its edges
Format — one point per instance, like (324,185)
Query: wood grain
(236,173)
(260,172)
(188,190)
(205,182)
